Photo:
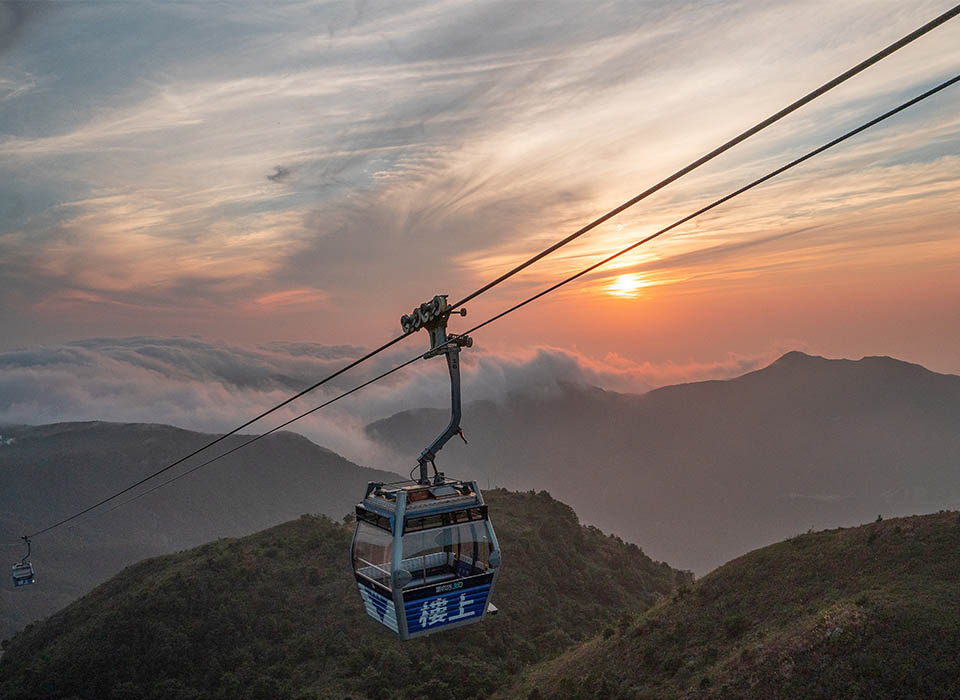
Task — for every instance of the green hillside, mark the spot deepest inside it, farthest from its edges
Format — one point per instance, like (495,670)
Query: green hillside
(277,615)
(868,613)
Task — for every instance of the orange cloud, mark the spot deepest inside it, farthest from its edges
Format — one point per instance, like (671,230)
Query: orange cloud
(291,298)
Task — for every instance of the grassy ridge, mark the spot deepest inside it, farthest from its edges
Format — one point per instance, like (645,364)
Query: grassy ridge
(870,612)
(276,615)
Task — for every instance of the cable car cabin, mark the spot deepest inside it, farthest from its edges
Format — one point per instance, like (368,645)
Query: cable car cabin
(23,574)
(425,556)
(424,552)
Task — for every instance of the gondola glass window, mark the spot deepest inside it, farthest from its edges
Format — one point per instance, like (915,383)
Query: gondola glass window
(372,553)
(446,553)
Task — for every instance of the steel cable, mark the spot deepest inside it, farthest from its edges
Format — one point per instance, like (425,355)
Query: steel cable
(949,14)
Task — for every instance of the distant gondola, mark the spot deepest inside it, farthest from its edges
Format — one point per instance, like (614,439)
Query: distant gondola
(424,552)
(23,574)
(23,570)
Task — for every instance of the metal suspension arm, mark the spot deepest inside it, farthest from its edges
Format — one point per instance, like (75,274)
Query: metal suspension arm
(453,428)
(433,316)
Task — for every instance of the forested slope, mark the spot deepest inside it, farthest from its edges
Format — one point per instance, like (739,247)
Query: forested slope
(277,615)
(870,613)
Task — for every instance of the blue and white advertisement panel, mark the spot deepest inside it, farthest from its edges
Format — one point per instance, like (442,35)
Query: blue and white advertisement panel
(435,607)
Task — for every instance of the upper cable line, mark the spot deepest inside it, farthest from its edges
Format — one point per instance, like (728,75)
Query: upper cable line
(829,85)
(797,161)
(760,126)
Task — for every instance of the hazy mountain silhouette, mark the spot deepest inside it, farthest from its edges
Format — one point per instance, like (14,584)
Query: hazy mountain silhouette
(48,472)
(699,473)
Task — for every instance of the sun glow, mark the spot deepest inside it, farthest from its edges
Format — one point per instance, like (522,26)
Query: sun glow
(626,286)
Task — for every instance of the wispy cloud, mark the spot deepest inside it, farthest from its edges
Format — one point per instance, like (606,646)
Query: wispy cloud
(326,157)
(13,87)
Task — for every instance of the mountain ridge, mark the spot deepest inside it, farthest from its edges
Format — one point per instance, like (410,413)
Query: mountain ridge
(875,435)
(864,612)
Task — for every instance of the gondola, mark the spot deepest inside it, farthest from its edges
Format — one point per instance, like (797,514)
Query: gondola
(23,570)
(424,552)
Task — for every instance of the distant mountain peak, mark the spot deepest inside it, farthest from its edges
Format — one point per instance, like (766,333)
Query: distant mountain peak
(795,357)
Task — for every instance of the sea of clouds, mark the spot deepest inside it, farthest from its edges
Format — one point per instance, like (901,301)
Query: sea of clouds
(212,386)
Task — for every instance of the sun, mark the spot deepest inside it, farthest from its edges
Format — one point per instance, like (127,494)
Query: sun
(626,286)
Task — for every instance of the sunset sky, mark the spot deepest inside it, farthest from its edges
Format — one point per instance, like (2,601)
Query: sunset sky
(254,173)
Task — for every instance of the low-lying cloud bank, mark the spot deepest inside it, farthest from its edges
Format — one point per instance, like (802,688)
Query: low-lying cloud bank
(211,386)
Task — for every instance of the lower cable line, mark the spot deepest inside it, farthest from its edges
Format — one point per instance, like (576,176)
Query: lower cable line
(263,435)
(223,437)
(774,173)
